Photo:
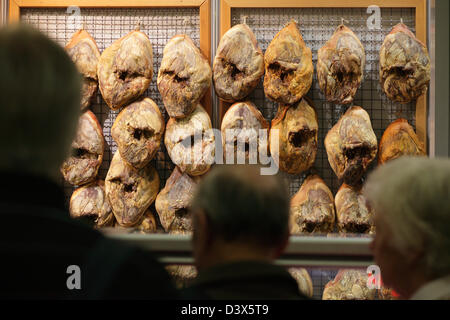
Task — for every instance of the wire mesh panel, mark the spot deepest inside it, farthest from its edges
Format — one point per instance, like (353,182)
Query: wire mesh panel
(317,25)
(107,25)
(320,277)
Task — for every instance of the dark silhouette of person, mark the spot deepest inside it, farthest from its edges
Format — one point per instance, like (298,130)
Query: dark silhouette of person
(45,254)
(240,221)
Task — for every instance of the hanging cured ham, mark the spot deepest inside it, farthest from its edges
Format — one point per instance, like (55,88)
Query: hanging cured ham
(138,130)
(351,145)
(349,284)
(312,207)
(340,66)
(289,67)
(404,65)
(190,142)
(83,50)
(130,191)
(238,65)
(184,76)
(296,128)
(353,214)
(87,152)
(173,201)
(90,201)
(241,138)
(399,139)
(125,69)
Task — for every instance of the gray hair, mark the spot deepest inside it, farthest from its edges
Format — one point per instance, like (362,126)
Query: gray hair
(242,204)
(413,197)
(40,89)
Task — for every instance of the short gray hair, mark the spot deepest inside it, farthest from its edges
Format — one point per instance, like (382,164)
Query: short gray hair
(413,196)
(242,204)
(40,89)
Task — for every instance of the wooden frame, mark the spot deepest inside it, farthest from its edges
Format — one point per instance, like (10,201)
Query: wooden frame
(420,7)
(205,17)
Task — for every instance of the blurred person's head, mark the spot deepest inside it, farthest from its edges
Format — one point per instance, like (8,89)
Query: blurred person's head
(411,202)
(239,215)
(39,107)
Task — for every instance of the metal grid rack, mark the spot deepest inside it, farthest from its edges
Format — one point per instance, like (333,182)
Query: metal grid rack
(317,25)
(107,25)
(320,277)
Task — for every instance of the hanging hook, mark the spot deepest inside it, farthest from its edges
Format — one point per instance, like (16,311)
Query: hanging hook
(343,20)
(185,21)
(244,19)
(138,24)
(401,20)
(291,21)
(83,25)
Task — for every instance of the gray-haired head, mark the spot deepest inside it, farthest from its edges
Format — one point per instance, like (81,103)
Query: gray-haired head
(40,89)
(412,194)
(242,204)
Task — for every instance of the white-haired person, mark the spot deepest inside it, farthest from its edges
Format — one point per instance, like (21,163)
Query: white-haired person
(45,254)
(240,221)
(411,201)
